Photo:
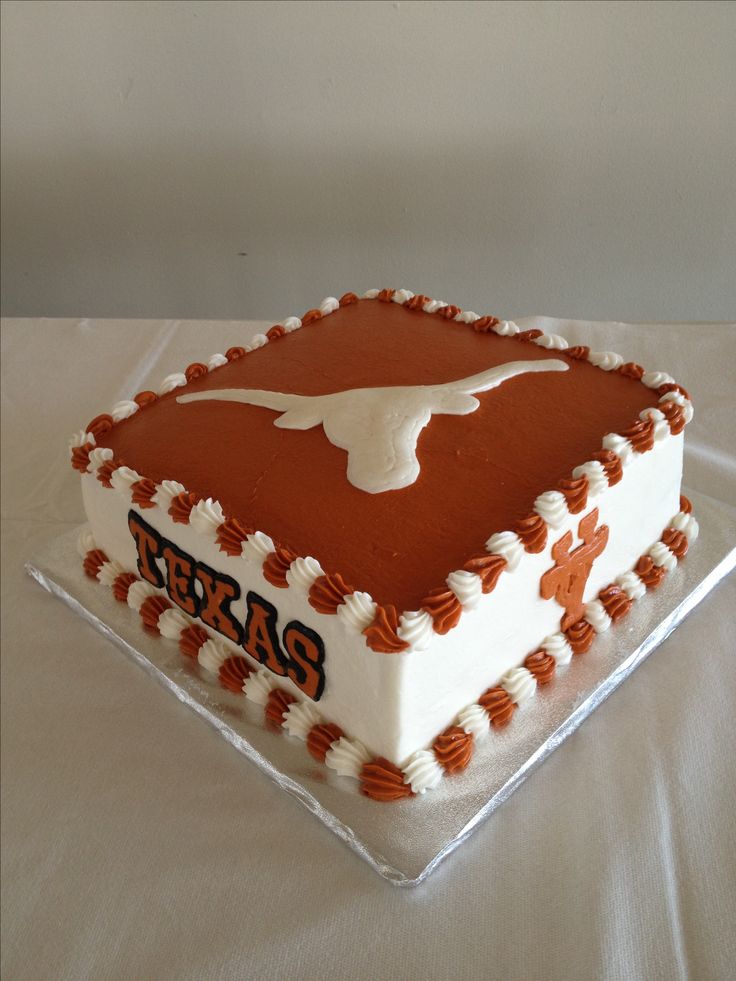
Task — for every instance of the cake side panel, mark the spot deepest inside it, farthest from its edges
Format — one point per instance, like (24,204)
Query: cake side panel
(513,620)
(361,686)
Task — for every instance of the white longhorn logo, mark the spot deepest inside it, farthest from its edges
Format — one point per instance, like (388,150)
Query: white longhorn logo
(379,427)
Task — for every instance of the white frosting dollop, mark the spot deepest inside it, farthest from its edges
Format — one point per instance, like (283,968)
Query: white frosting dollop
(172,622)
(508,545)
(123,479)
(347,757)
(557,646)
(212,655)
(679,399)
(553,342)
(98,456)
(653,379)
(80,438)
(620,446)
(258,340)
(216,360)
(687,524)
(302,573)
(109,572)
(552,508)
(206,517)
(467,317)
(172,381)
(402,296)
(662,556)
(596,474)
(506,328)
(258,686)
(138,593)
(520,684)
(631,585)
(474,719)
(422,771)
(371,294)
(607,360)
(467,586)
(166,491)
(595,614)
(123,410)
(329,305)
(416,628)
(291,324)
(432,306)
(358,611)
(86,541)
(257,546)
(299,718)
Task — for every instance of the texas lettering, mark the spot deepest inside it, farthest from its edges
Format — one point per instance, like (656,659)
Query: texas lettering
(202,592)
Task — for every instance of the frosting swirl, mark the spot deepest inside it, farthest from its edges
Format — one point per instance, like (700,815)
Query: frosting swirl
(304,572)
(212,655)
(171,623)
(191,639)
(498,706)
(347,757)
(358,611)
(675,416)
(256,547)
(145,398)
(552,508)
(484,324)
(631,585)
(580,636)
(474,719)
(231,535)
(640,435)
(195,370)
(557,646)
(596,476)
(520,684)
(611,464)
(579,352)
(258,685)
(553,342)
(675,541)
(206,517)
(181,507)
(607,360)
(328,592)
(165,493)
(216,361)
(151,609)
(532,532)
(649,573)
(381,780)
(93,562)
(542,665)
(276,706)
(508,546)
(620,446)
(382,634)
(662,556)
(467,587)
(100,425)
(276,565)
(234,672)
(422,772)
(121,586)
(417,629)
(105,472)
(453,749)
(175,380)
(138,593)
(123,410)
(488,568)
(631,370)
(595,614)
(575,491)
(320,739)
(615,602)
(122,480)
(444,608)
(300,718)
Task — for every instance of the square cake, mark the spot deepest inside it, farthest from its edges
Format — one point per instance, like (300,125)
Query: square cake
(389,521)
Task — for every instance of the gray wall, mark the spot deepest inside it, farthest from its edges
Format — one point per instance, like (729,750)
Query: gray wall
(571,159)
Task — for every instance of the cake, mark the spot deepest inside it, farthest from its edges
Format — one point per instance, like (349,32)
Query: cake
(388,522)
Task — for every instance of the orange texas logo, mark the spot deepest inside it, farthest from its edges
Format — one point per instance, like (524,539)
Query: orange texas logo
(202,592)
(566,580)
(378,427)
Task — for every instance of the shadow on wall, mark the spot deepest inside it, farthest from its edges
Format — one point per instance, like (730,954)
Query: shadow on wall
(238,233)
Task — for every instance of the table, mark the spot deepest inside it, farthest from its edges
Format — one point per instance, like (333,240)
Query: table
(138,845)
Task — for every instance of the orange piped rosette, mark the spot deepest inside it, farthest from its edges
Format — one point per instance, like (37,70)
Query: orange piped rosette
(580,636)
(93,562)
(234,672)
(328,592)
(542,665)
(231,536)
(142,491)
(533,533)
(453,749)
(444,607)
(488,567)
(611,464)
(676,542)
(151,609)
(277,565)
(615,602)
(575,491)
(121,586)
(276,706)
(381,635)
(320,739)
(181,507)
(498,706)
(191,639)
(640,435)
(382,780)
(649,573)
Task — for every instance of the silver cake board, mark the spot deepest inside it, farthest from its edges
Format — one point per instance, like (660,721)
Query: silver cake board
(406,840)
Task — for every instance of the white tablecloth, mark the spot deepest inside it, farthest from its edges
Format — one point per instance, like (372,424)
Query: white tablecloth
(138,845)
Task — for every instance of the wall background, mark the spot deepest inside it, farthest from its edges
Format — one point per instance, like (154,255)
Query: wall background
(570,159)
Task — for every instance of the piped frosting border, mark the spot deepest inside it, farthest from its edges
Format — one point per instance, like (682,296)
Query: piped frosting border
(452,750)
(386,629)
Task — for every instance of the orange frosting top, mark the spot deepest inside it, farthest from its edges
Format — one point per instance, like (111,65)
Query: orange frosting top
(480,473)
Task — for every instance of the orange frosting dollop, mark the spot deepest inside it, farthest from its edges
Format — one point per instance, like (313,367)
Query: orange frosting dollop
(533,533)
(191,639)
(381,634)
(453,749)
(141,493)
(488,567)
(277,565)
(498,706)
(615,602)
(575,490)
(320,738)
(230,536)
(382,780)
(151,609)
(580,636)
(181,507)
(444,607)
(121,586)
(542,665)
(276,705)
(327,593)
(233,673)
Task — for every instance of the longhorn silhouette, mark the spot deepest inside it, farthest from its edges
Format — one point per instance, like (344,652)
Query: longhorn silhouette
(379,427)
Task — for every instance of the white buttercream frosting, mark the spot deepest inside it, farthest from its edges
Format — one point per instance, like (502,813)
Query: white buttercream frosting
(662,556)
(138,593)
(551,508)
(98,456)
(467,317)
(123,410)
(416,628)
(347,757)
(299,718)
(432,306)
(85,542)
(302,573)
(258,686)
(258,340)
(371,294)
(679,399)
(520,684)
(329,305)
(291,324)
(474,719)
(553,342)
(506,328)
(358,610)
(109,572)
(80,438)
(212,655)
(607,360)
(467,586)
(557,646)
(172,622)
(257,546)
(172,381)
(166,491)
(422,771)
(653,379)
(620,446)
(123,479)
(687,524)
(216,360)
(631,585)
(508,545)
(402,296)
(206,517)
(596,474)
(595,614)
